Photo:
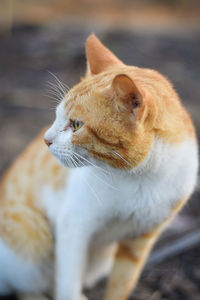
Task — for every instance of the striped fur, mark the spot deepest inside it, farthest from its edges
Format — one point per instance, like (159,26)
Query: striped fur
(133,166)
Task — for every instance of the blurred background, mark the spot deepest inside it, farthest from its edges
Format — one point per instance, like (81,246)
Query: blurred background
(41,37)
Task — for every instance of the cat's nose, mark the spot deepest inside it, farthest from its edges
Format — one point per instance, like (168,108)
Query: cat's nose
(49,136)
(47,142)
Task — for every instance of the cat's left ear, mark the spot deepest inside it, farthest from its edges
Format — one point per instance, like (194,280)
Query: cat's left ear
(99,58)
(127,94)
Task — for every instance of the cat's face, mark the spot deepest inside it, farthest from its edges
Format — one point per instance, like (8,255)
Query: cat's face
(102,118)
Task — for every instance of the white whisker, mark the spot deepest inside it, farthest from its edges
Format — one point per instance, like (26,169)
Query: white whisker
(92,190)
(104,182)
(116,153)
(60,84)
(53,98)
(91,163)
(56,90)
(55,87)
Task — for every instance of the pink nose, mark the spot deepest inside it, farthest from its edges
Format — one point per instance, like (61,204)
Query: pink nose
(48,143)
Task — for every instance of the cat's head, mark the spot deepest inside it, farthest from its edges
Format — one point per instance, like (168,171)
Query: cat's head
(106,118)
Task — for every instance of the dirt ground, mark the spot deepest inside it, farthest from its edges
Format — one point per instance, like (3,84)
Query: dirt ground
(27,56)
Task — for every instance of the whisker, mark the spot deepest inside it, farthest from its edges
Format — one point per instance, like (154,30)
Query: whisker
(104,182)
(92,190)
(90,163)
(62,86)
(56,90)
(116,153)
(99,201)
(58,85)
(55,87)
(53,108)
(53,98)
(73,162)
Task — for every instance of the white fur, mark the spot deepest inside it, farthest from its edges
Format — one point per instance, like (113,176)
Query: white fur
(102,204)
(17,274)
(98,206)
(143,198)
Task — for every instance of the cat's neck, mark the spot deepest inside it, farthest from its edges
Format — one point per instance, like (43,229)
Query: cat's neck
(155,164)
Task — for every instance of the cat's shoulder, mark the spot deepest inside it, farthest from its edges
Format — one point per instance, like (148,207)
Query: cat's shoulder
(34,166)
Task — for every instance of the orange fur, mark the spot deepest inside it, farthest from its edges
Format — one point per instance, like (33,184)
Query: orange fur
(104,58)
(131,101)
(23,224)
(131,257)
(131,138)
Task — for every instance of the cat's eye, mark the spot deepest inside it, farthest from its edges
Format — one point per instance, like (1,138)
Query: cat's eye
(76,125)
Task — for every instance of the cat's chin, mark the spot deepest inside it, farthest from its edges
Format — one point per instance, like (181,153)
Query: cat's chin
(67,161)
(67,164)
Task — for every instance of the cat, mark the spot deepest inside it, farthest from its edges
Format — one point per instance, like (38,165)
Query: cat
(121,161)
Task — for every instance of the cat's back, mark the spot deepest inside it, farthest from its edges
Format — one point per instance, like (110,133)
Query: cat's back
(23,218)
(34,167)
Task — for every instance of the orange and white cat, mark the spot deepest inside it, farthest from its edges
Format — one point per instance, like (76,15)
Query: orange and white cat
(132,153)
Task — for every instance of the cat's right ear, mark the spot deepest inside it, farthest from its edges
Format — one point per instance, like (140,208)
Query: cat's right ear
(126,93)
(99,58)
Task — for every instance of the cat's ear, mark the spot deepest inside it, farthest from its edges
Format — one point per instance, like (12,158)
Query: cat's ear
(99,58)
(126,92)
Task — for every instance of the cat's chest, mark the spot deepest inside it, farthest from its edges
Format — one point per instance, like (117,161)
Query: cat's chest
(117,203)
(116,206)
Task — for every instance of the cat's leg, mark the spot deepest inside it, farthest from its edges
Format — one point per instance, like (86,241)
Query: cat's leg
(72,240)
(130,259)
(99,264)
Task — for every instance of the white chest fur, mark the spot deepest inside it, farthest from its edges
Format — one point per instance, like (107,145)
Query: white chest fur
(128,202)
